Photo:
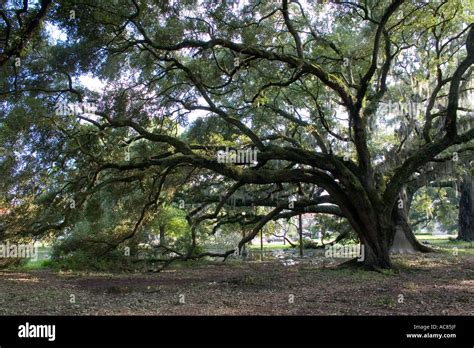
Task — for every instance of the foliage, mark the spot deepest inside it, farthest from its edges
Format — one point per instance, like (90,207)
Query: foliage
(180,82)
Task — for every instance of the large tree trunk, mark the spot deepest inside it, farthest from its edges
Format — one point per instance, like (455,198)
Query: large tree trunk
(376,255)
(404,240)
(375,233)
(383,233)
(466,210)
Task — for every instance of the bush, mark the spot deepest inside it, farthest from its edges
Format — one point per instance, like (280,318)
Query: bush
(310,244)
(83,261)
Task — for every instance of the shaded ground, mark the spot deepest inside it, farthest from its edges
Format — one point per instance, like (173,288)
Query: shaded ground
(426,284)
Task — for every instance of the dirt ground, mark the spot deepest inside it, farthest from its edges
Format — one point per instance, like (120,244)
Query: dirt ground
(422,285)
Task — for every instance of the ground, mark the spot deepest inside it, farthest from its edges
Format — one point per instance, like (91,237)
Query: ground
(425,284)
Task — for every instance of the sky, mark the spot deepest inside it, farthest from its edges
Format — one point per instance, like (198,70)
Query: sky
(97,85)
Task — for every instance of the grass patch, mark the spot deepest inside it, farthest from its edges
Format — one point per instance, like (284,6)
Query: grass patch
(448,244)
(386,301)
(35,265)
(357,274)
(428,236)
(269,247)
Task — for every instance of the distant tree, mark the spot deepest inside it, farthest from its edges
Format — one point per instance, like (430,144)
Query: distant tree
(466,210)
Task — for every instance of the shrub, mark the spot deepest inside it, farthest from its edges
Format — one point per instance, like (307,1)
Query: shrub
(310,244)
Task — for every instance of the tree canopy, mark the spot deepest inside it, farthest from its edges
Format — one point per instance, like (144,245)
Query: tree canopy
(324,108)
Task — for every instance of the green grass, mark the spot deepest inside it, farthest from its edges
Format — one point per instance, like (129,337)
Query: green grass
(41,261)
(385,301)
(425,236)
(268,247)
(35,265)
(448,244)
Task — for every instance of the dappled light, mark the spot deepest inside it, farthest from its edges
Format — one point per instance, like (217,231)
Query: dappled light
(236,158)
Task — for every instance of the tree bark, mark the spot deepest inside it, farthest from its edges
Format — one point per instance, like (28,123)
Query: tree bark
(372,223)
(384,233)
(376,251)
(466,210)
(375,231)
(300,230)
(404,240)
(162,234)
